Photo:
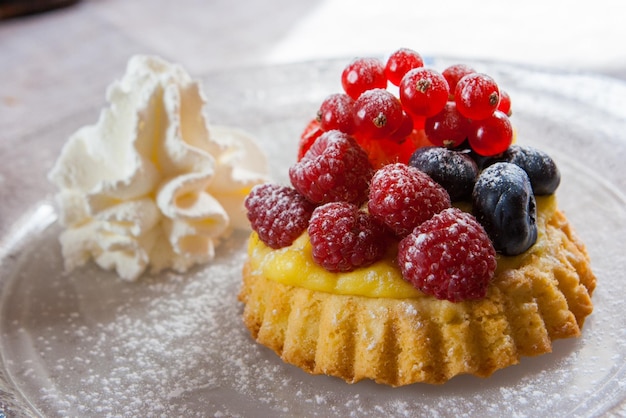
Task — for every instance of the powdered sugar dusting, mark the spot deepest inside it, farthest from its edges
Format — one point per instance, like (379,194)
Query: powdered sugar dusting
(175,345)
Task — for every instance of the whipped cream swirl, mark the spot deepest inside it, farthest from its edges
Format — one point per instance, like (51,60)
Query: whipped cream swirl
(151,184)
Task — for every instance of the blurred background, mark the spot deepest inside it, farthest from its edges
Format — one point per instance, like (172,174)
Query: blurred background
(55,63)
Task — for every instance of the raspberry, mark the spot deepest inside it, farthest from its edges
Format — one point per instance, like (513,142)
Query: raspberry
(335,168)
(344,237)
(402,197)
(449,257)
(279,214)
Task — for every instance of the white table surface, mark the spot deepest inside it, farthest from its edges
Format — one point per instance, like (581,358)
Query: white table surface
(55,63)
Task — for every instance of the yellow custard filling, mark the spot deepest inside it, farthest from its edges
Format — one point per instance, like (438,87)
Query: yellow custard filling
(294,265)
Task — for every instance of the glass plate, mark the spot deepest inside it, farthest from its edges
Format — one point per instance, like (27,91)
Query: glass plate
(86,343)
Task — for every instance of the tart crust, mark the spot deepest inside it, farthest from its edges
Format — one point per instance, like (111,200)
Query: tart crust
(403,341)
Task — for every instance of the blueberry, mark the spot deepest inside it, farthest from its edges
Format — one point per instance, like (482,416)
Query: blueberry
(485,161)
(455,171)
(541,169)
(504,203)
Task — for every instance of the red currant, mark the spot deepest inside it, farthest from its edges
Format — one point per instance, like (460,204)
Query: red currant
(454,73)
(423,92)
(363,74)
(336,113)
(404,130)
(491,136)
(477,96)
(418,121)
(308,137)
(394,150)
(447,128)
(401,62)
(377,114)
(505,103)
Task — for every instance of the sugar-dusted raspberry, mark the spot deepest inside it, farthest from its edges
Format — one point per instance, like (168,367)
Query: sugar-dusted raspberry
(449,257)
(278,214)
(402,197)
(335,168)
(344,237)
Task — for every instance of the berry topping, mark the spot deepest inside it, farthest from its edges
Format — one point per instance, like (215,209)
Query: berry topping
(404,130)
(369,127)
(504,204)
(377,114)
(278,214)
(454,170)
(447,128)
(401,62)
(335,168)
(477,96)
(449,257)
(383,152)
(402,197)
(423,92)
(336,113)
(505,103)
(363,74)
(308,137)
(541,169)
(344,237)
(491,136)
(454,73)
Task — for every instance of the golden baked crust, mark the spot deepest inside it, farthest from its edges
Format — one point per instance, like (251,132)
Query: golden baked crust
(403,341)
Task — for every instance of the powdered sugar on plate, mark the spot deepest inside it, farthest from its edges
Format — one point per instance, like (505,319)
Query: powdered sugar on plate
(171,343)
(175,345)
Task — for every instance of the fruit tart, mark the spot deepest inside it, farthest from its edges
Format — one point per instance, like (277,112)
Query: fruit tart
(417,240)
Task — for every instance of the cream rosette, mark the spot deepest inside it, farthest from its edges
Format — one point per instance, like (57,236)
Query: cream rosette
(152,184)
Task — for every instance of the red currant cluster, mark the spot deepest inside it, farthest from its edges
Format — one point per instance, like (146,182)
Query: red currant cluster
(443,109)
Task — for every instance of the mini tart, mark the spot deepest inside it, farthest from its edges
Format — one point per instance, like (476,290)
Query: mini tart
(398,336)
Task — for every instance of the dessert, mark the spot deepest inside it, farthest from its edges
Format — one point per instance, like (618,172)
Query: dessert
(152,184)
(407,255)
